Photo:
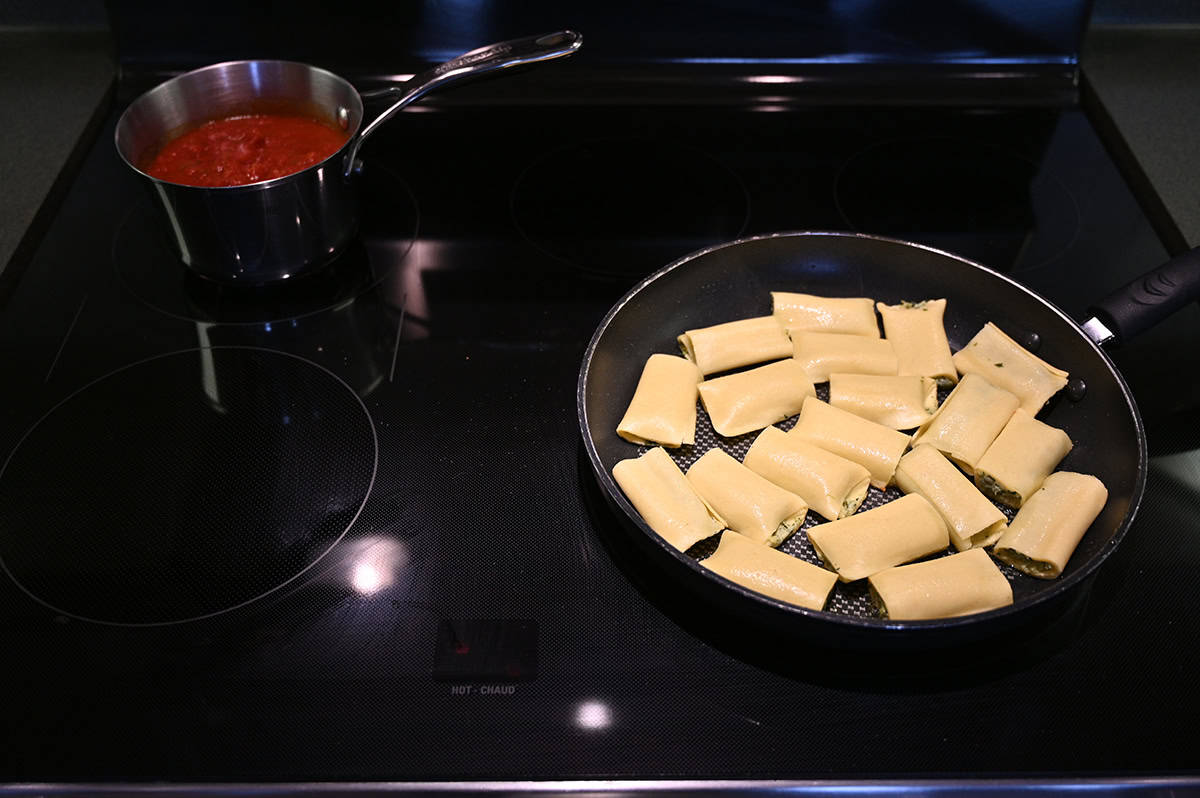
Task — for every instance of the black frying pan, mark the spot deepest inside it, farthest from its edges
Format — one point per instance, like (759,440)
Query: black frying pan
(733,281)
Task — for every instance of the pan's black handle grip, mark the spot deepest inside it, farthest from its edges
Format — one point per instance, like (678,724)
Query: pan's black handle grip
(1152,297)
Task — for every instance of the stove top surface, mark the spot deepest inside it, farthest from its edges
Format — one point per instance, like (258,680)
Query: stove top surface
(343,528)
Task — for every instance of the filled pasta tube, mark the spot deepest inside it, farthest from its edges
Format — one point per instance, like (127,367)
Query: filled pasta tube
(824,353)
(663,408)
(917,331)
(972,520)
(1048,527)
(770,572)
(968,421)
(756,398)
(830,485)
(1021,457)
(735,344)
(852,316)
(893,401)
(666,500)
(873,446)
(897,532)
(960,584)
(1006,364)
(750,504)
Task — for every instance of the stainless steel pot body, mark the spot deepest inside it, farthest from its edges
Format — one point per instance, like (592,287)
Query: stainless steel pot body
(261,232)
(278,229)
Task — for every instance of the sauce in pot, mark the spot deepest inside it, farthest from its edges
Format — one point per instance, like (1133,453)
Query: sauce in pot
(239,150)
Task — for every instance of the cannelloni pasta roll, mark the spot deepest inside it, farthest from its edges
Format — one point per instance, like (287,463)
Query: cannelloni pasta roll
(852,316)
(897,532)
(968,421)
(1048,527)
(1006,364)
(918,334)
(832,486)
(972,520)
(663,408)
(750,504)
(1020,458)
(770,572)
(873,446)
(666,500)
(893,401)
(961,584)
(735,344)
(824,353)
(756,398)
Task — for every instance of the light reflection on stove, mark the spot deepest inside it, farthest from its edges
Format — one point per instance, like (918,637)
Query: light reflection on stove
(208,369)
(424,254)
(366,578)
(375,563)
(593,715)
(774,79)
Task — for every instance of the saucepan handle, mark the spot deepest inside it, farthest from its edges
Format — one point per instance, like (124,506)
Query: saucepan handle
(527,50)
(1146,300)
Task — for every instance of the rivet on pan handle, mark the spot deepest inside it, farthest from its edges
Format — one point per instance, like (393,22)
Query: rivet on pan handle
(1146,300)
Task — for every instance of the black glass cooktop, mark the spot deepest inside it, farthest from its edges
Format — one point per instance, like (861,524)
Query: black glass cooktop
(342,529)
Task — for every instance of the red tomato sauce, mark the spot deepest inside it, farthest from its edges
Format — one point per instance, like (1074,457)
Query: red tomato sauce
(245,149)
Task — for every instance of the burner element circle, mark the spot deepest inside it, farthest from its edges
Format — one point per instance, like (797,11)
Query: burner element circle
(625,207)
(977,199)
(184,486)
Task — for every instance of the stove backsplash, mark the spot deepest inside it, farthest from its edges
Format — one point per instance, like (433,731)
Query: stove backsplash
(984,35)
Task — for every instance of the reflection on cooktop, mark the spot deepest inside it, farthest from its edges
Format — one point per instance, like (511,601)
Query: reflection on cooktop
(625,207)
(217,476)
(977,200)
(148,266)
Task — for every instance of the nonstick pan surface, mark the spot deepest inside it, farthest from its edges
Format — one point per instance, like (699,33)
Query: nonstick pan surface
(734,281)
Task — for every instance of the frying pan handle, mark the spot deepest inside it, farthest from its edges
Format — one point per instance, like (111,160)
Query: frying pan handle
(1147,300)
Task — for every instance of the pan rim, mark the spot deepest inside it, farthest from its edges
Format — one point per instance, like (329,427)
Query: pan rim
(1062,585)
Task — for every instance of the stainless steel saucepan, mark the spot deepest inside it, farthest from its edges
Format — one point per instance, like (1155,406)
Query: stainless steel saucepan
(278,229)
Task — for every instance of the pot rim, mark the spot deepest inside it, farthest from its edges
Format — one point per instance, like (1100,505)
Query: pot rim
(165,86)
